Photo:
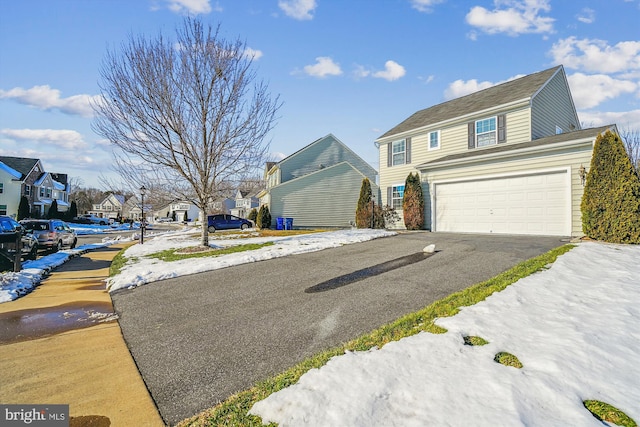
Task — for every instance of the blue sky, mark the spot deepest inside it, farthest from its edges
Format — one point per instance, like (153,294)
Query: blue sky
(353,68)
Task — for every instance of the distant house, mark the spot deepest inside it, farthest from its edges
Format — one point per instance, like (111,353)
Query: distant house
(317,186)
(179,208)
(507,159)
(21,176)
(244,202)
(110,207)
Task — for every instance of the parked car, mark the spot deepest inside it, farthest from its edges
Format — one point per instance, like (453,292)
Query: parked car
(52,234)
(92,219)
(227,222)
(8,228)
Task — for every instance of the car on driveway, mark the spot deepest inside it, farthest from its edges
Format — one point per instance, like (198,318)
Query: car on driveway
(52,234)
(227,222)
(92,219)
(8,228)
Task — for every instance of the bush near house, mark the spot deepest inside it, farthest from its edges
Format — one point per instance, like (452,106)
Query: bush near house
(264,217)
(611,200)
(253,215)
(23,208)
(413,203)
(364,210)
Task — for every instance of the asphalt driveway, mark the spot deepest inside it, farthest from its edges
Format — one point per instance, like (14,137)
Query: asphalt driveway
(200,338)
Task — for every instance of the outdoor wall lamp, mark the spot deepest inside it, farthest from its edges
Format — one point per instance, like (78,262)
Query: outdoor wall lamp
(582,172)
(143,190)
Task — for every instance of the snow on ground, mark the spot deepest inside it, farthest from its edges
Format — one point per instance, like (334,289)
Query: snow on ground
(144,270)
(575,327)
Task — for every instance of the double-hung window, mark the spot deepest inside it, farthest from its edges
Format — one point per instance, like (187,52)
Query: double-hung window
(434,140)
(399,152)
(1,187)
(397,194)
(486,132)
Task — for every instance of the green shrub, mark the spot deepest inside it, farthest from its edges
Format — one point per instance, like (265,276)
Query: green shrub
(413,203)
(264,217)
(23,208)
(611,200)
(253,215)
(364,209)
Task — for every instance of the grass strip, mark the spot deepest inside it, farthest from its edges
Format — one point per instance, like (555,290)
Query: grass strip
(508,359)
(233,411)
(605,412)
(174,255)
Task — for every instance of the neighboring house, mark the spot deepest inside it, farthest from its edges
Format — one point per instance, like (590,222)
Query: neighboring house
(244,202)
(222,206)
(21,176)
(507,159)
(317,186)
(179,207)
(110,207)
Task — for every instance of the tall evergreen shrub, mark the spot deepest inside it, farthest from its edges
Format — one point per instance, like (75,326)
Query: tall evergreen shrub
(413,203)
(73,211)
(23,208)
(53,210)
(253,215)
(364,209)
(264,217)
(611,200)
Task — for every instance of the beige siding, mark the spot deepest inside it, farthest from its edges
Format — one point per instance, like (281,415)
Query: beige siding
(569,158)
(519,126)
(327,198)
(552,107)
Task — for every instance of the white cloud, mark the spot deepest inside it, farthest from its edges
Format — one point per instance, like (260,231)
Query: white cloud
(587,16)
(596,55)
(45,98)
(252,53)
(67,139)
(425,5)
(590,90)
(298,9)
(461,88)
(323,67)
(512,17)
(190,7)
(392,71)
(626,120)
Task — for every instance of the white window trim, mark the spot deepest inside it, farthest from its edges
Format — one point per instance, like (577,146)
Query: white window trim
(404,153)
(429,140)
(495,131)
(390,202)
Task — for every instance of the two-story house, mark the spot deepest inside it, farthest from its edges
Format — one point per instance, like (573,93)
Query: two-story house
(110,207)
(244,203)
(21,176)
(507,159)
(317,186)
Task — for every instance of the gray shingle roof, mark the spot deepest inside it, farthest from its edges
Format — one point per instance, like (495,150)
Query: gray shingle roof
(554,139)
(21,164)
(521,88)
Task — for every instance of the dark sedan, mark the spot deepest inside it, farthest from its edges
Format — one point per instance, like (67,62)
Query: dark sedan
(227,222)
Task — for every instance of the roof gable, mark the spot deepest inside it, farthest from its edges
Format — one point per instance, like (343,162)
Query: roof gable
(518,89)
(21,164)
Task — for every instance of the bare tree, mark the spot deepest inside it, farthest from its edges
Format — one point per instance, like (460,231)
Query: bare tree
(631,139)
(186,116)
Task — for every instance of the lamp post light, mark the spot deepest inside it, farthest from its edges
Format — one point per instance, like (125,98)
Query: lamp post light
(143,190)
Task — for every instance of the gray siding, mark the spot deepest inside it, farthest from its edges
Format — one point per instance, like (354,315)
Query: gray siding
(324,153)
(326,198)
(551,107)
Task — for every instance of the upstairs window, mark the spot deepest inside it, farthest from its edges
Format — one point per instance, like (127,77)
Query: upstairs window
(434,140)
(486,132)
(27,190)
(399,152)
(1,187)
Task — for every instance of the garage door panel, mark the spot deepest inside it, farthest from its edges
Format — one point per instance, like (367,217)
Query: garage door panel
(528,204)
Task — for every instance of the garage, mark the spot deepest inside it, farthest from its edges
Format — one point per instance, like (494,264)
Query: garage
(532,203)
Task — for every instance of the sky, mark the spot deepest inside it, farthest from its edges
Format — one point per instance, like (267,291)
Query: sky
(575,327)
(351,68)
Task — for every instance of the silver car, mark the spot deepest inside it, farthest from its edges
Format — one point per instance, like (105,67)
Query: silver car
(52,234)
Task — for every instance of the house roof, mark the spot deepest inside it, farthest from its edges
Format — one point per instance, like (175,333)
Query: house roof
(541,142)
(20,164)
(514,90)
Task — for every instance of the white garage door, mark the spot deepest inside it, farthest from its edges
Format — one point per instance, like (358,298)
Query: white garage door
(527,204)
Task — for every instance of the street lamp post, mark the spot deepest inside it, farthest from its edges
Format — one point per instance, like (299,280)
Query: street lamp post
(143,190)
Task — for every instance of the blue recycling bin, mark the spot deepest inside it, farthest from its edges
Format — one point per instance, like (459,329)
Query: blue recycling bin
(288,223)
(279,223)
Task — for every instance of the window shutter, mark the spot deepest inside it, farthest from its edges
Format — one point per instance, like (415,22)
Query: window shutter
(407,147)
(502,131)
(389,196)
(389,155)
(472,135)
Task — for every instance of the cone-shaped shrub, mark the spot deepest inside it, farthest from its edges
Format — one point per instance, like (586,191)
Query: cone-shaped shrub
(413,203)
(23,208)
(264,217)
(364,209)
(611,200)
(253,215)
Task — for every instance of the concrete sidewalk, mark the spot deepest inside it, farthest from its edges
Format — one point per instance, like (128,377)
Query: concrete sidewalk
(61,345)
